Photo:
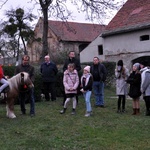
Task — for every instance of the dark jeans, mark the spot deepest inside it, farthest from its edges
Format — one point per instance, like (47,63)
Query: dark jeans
(49,87)
(23,97)
(98,87)
(121,99)
(147,103)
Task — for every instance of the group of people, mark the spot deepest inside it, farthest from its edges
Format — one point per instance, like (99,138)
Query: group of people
(139,84)
(93,78)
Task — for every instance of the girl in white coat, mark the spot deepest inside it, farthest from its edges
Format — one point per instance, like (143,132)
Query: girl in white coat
(121,74)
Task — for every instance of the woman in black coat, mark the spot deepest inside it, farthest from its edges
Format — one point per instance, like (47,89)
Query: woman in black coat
(134,92)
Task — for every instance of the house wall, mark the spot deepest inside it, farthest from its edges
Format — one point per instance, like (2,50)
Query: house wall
(58,49)
(91,51)
(126,47)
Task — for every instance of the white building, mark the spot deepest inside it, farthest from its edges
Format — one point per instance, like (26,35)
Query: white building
(126,37)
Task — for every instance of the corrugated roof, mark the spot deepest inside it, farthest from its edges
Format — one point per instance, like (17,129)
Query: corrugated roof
(134,15)
(73,31)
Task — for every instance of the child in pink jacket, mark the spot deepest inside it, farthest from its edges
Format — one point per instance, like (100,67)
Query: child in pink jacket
(70,82)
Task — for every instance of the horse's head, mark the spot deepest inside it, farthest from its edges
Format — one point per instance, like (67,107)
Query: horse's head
(25,81)
(21,82)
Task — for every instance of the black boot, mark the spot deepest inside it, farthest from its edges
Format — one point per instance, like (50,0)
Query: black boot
(63,111)
(123,110)
(118,111)
(73,111)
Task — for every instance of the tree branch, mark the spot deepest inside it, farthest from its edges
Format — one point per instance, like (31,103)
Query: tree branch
(3,3)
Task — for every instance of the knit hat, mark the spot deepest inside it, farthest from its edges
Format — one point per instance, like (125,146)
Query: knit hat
(87,68)
(137,65)
(120,63)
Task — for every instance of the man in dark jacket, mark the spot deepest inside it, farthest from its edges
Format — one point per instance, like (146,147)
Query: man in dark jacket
(72,60)
(99,73)
(49,70)
(23,96)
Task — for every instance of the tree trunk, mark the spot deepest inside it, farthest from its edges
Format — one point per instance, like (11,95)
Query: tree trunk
(45,34)
(44,5)
(18,46)
(25,50)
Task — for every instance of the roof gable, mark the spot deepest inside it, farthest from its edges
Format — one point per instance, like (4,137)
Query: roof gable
(135,14)
(73,31)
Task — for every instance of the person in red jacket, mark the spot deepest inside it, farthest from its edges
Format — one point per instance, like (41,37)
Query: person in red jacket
(3,81)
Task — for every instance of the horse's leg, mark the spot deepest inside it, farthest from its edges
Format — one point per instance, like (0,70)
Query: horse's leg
(7,109)
(10,108)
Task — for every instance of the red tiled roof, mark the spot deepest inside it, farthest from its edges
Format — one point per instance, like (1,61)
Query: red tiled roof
(135,14)
(72,31)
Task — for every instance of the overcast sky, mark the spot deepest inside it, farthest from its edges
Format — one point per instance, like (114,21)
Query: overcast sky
(78,17)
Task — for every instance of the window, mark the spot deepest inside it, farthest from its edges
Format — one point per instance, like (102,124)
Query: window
(144,37)
(100,49)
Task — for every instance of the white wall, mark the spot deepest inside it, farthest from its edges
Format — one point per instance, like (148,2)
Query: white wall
(126,43)
(91,51)
(125,46)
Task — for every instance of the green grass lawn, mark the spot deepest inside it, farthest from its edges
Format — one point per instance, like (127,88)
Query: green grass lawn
(49,130)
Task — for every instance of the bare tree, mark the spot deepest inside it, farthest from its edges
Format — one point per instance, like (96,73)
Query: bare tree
(45,5)
(93,9)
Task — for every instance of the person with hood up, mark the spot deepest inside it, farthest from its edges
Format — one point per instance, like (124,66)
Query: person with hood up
(121,74)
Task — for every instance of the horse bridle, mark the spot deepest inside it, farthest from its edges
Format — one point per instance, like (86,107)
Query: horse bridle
(23,87)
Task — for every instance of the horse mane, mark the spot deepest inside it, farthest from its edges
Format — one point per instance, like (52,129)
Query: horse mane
(16,79)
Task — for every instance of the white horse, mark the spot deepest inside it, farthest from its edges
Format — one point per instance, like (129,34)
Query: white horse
(17,83)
